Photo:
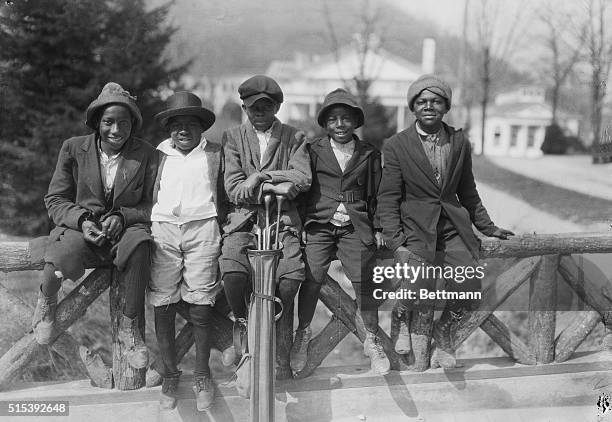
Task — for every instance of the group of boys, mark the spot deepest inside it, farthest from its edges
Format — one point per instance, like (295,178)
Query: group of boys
(204,201)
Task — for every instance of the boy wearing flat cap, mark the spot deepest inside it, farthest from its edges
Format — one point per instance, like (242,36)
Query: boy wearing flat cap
(338,213)
(100,199)
(189,204)
(263,156)
(427,203)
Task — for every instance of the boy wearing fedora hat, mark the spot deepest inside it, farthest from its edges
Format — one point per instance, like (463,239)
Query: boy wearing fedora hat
(427,204)
(338,212)
(100,199)
(263,156)
(189,203)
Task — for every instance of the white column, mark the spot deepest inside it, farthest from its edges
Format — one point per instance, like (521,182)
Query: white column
(401,117)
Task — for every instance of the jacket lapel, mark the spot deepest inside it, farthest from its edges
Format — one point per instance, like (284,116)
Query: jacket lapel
(359,155)
(322,148)
(275,138)
(253,144)
(212,160)
(414,146)
(129,163)
(456,138)
(91,163)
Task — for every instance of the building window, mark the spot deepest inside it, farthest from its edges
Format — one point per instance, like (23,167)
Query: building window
(497,136)
(531,134)
(514,131)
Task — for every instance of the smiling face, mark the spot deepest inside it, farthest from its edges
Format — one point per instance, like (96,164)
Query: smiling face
(429,109)
(340,123)
(261,113)
(186,132)
(115,128)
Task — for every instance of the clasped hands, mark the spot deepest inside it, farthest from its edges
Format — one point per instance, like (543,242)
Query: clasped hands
(110,228)
(248,190)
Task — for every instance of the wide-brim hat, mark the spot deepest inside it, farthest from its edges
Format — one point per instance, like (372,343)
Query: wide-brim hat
(340,97)
(184,103)
(258,87)
(112,93)
(431,83)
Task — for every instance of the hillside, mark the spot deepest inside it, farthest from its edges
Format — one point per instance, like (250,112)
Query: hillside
(242,36)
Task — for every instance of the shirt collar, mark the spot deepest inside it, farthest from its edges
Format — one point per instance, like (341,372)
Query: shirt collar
(167,146)
(348,147)
(269,130)
(105,155)
(426,136)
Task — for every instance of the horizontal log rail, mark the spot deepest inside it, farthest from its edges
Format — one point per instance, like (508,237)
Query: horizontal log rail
(21,256)
(540,260)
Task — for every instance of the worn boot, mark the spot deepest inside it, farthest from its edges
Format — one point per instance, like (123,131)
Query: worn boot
(372,347)
(131,339)
(299,350)
(229,356)
(444,353)
(44,318)
(204,391)
(169,392)
(403,344)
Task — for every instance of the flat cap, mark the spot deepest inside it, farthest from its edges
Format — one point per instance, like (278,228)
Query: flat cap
(258,87)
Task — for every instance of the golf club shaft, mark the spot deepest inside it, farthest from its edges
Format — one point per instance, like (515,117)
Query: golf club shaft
(279,206)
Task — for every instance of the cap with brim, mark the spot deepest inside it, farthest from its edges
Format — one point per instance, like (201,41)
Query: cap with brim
(258,87)
(249,101)
(112,94)
(340,97)
(184,103)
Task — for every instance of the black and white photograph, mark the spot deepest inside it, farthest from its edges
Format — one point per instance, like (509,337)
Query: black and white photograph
(306,211)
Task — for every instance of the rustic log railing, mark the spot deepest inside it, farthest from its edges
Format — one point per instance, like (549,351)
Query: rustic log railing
(541,259)
(23,256)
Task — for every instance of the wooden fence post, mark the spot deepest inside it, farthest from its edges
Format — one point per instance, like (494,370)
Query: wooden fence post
(542,313)
(124,376)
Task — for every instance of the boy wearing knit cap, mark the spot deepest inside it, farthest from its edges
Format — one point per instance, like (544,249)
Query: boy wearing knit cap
(427,204)
(263,156)
(338,221)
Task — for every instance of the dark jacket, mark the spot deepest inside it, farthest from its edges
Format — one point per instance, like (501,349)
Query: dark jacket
(76,189)
(410,201)
(355,187)
(287,162)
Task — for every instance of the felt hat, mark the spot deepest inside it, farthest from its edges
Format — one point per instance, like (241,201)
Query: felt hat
(184,103)
(340,97)
(112,93)
(258,87)
(431,83)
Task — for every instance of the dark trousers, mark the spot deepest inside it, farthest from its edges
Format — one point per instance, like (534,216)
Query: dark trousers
(324,243)
(451,251)
(134,277)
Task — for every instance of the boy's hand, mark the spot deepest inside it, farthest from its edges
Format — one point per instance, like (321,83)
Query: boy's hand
(286,189)
(92,234)
(380,241)
(247,190)
(112,226)
(502,233)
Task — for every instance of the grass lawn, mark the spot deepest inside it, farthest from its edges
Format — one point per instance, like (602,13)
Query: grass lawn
(564,203)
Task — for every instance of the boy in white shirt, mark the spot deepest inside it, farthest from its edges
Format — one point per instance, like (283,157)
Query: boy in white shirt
(189,204)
